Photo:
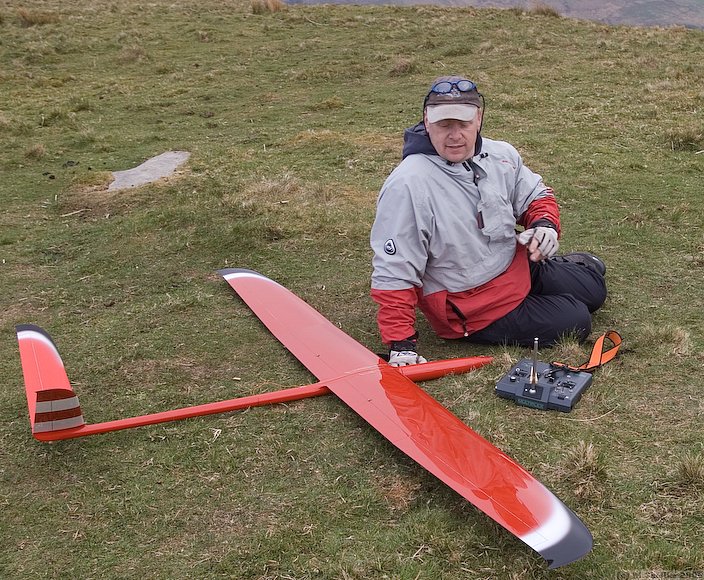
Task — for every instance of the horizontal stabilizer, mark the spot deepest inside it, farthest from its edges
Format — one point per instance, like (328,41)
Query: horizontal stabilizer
(51,401)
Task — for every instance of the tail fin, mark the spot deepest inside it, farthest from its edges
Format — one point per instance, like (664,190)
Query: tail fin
(52,403)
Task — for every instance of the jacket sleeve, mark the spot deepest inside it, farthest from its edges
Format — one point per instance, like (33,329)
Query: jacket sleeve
(400,235)
(534,200)
(399,239)
(541,210)
(396,316)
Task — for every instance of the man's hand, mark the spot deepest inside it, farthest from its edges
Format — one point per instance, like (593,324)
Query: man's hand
(541,242)
(403,353)
(402,358)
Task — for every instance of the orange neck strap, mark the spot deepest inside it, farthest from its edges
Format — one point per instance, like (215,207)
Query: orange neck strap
(599,356)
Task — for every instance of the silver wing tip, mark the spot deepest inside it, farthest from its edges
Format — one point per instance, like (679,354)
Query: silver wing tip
(575,545)
(34,332)
(30,328)
(231,272)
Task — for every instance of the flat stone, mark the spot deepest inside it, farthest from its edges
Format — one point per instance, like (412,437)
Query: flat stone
(151,170)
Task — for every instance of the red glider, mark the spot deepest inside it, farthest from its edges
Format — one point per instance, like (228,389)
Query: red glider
(416,423)
(387,399)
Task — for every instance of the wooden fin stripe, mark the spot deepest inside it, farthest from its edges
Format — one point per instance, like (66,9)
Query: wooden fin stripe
(57,415)
(48,395)
(43,427)
(57,409)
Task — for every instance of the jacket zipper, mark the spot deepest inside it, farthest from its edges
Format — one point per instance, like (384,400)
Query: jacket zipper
(454,307)
(461,316)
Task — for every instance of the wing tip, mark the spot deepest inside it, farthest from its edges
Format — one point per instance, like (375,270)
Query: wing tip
(575,545)
(26,328)
(228,273)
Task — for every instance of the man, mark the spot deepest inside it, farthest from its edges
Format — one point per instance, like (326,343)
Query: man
(445,239)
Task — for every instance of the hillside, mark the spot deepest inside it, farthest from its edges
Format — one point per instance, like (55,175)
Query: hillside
(293,120)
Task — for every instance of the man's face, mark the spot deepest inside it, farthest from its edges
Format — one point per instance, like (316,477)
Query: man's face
(454,140)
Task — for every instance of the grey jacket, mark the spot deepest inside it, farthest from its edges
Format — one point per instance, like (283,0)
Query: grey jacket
(450,226)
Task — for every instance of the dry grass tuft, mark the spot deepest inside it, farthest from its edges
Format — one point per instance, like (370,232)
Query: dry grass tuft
(278,190)
(131,55)
(677,340)
(36,151)
(334,102)
(31,18)
(681,342)
(267,6)
(505,359)
(274,194)
(88,196)
(13,125)
(399,492)
(690,471)
(685,139)
(403,66)
(567,351)
(586,470)
(94,181)
(541,9)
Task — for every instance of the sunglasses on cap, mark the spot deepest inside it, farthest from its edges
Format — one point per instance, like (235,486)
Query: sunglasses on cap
(444,87)
(452,89)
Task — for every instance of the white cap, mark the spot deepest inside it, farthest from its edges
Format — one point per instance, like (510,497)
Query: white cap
(461,112)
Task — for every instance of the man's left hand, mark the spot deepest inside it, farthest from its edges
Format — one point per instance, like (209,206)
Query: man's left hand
(403,353)
(541,242)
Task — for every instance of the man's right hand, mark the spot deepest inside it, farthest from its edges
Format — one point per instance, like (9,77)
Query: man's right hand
(403,353)
(541,242)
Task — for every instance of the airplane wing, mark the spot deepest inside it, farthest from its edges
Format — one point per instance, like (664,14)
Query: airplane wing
(416,423)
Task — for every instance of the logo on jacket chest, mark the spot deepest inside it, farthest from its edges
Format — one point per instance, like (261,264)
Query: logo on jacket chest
(390,247)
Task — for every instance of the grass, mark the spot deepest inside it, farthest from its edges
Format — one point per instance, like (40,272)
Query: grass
(294,119)
(27,18)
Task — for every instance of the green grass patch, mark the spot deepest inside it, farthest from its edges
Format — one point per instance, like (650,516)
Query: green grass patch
(294,119)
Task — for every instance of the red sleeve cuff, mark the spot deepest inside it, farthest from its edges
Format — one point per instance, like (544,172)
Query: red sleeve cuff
(396,317)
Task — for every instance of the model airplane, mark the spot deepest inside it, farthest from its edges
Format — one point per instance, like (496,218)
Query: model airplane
(387,399)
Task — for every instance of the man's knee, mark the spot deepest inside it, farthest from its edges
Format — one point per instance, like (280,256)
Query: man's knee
(597,296)
(583,324)
(574,320)
(559,276)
